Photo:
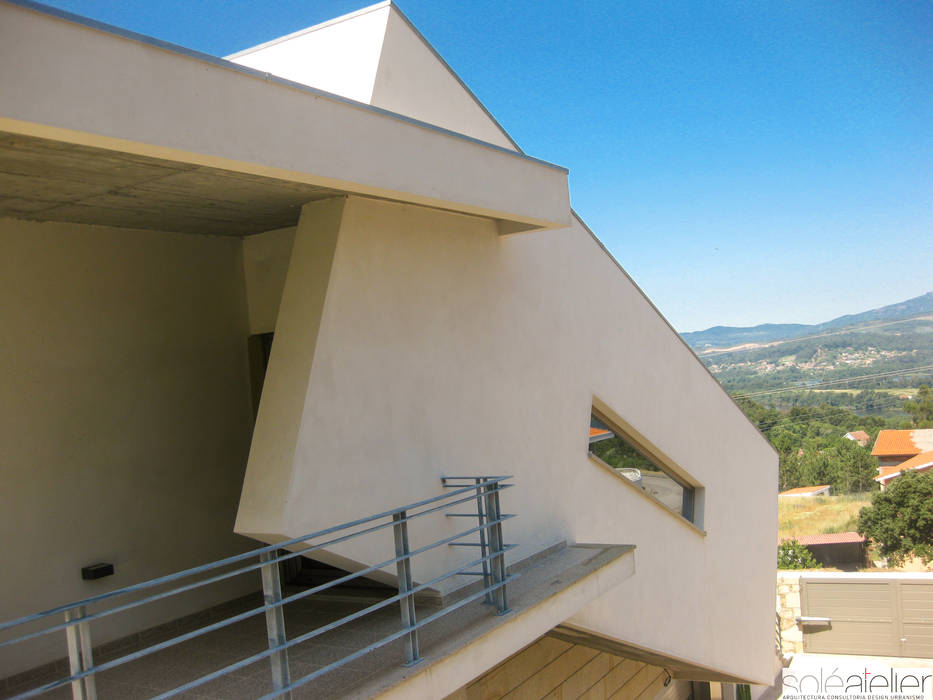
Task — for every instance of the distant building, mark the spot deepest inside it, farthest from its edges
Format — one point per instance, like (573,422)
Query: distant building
(859,436)
(920,463)
(807,491)
(845,550)
(894,446)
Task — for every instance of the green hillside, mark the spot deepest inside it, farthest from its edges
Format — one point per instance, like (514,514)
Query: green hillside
(731,336)
(841,368)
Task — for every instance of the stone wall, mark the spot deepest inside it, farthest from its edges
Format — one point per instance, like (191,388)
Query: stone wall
(788,608)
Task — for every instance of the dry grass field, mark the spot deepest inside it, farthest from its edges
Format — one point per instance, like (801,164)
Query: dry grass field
(816,516)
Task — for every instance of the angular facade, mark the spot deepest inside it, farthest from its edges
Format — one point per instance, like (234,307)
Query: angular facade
(250,299)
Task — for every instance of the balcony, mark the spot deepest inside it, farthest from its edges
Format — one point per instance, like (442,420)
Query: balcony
(323,640)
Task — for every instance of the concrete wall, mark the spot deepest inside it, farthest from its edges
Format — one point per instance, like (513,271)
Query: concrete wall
(340,56)
(376,56)
(443,348)
(265,263)
(125,415)
(411,80)
(554,669)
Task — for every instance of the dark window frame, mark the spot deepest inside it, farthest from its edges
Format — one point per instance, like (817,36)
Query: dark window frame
(693,493)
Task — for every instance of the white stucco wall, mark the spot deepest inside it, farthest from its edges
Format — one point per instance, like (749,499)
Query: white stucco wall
(446,349)
(411,80)
(340,56)
(265,262)
(124,416)
(375,56)
(410,343)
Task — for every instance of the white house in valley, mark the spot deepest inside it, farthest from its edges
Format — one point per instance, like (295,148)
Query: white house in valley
(254,298)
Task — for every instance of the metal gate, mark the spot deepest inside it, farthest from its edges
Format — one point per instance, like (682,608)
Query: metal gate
(867,614)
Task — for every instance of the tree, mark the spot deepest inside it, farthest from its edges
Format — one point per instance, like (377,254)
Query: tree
(793,555)
(921,409)
(900,518)
(789,472)
(857,469)
(818,467)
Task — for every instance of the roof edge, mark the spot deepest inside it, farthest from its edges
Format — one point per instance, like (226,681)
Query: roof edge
(168,46)
(453,73)
(579,219)
(308,30)
(411,25)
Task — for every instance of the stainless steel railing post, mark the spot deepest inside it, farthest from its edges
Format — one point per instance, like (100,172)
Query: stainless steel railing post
(407,602)
(275,620)
(80,655)
(497,547)
(483,540)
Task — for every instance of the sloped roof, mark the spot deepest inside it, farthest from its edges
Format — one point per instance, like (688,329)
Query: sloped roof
(921,462)
(829,538)
(377,56)
(886,471)
(902,442)
(859,435)
(804,489)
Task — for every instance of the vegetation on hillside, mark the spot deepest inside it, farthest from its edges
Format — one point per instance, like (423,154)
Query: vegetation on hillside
(840,360)
(808,387)
(921,409)
(813,448)
(820,515)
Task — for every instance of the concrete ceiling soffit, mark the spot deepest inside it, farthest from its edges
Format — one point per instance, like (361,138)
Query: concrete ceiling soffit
(678,668)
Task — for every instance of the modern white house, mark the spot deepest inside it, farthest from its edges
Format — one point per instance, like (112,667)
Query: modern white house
(253,298)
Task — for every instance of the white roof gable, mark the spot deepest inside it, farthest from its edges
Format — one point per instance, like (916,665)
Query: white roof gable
(376,56)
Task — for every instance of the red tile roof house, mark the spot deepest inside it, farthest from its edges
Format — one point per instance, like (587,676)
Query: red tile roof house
(859,436)
(894,446)
(920,463)
(807,491)
(842,550)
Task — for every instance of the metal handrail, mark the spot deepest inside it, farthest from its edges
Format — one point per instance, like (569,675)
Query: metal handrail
(483,491)
(229,574)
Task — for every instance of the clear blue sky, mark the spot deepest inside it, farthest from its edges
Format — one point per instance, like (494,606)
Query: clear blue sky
(746,161)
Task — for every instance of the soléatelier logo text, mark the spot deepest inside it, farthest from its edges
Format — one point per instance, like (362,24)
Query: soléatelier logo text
(865,683)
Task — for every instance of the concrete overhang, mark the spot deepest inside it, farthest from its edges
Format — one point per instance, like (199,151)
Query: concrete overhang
(70,80)
(467,643)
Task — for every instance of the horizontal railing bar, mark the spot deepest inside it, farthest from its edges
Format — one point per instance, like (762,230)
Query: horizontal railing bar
(237,572)
(386,640)
(477,544)
(317,632)
(297,596)
(473,573)
(467,515)
(445,479)
(246,555)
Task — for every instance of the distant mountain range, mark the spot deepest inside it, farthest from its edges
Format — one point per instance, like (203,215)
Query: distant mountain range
(730,336)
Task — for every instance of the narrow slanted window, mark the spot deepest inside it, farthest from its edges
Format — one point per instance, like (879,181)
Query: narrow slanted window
(609,445)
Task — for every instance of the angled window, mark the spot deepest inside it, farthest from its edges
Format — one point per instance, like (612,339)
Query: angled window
(609,446)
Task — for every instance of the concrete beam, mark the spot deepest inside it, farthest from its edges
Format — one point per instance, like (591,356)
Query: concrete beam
(87,84)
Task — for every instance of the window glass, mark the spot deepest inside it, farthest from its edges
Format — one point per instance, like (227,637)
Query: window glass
(608,445)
